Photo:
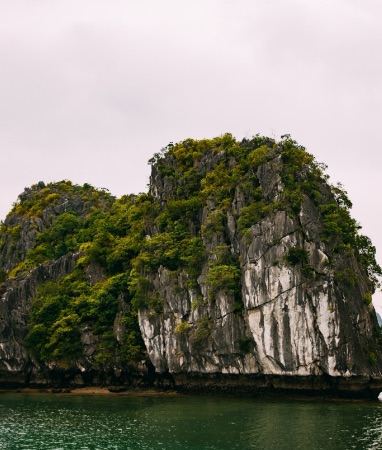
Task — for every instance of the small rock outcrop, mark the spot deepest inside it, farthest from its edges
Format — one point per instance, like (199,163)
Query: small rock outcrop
(44,338)
(36,210)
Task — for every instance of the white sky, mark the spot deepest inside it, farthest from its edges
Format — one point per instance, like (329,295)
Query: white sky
(91,89)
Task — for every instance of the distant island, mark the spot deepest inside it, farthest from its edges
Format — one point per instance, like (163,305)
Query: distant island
(241,270)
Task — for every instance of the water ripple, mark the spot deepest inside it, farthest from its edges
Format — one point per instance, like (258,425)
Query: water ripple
(48,422)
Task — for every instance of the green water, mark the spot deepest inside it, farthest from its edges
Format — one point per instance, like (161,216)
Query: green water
(46,421)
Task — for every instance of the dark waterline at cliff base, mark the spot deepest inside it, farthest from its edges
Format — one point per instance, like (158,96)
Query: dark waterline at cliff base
(44,421)
(228,385)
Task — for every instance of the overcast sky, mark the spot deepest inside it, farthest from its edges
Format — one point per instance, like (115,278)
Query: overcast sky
(91,89)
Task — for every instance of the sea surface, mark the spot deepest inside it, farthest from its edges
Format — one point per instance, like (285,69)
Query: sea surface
(65,421)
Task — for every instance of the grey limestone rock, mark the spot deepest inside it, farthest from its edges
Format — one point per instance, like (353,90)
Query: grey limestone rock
(290,323)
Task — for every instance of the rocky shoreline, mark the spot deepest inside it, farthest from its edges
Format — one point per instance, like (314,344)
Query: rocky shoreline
(360,387)
(91,390)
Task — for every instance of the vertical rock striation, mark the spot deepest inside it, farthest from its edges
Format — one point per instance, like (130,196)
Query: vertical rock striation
(291,317)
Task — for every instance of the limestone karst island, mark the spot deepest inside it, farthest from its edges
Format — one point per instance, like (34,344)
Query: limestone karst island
(241,270)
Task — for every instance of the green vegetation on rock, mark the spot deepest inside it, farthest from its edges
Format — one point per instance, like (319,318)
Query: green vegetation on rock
(212,192)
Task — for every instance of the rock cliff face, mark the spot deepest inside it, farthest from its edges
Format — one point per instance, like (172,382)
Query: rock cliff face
(36,227)
(242,267)
(18,366)
(16,298)
(307,318)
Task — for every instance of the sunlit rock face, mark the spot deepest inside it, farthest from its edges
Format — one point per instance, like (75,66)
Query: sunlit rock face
(286,319)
